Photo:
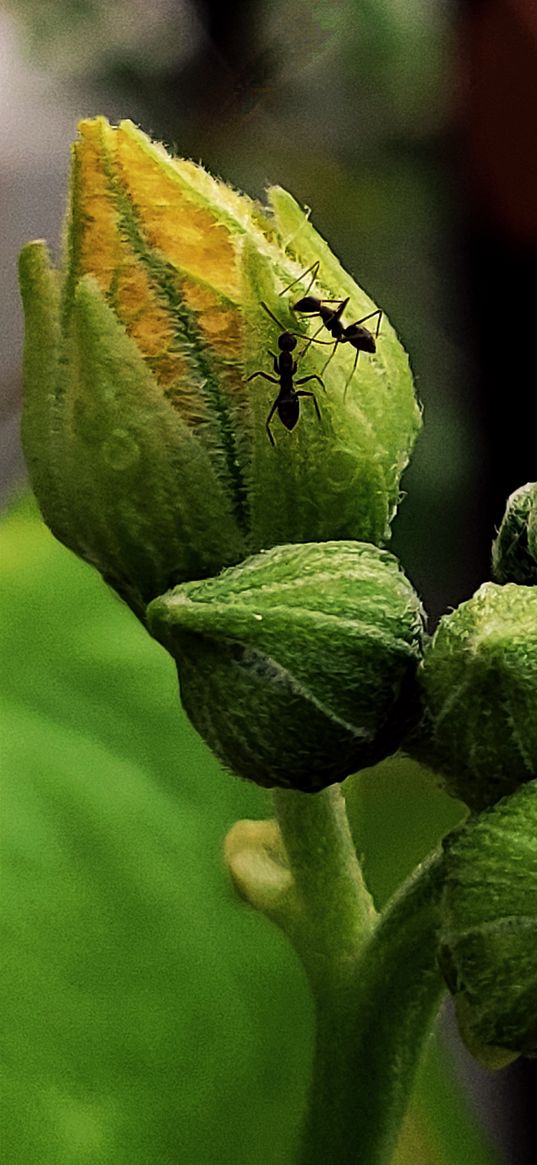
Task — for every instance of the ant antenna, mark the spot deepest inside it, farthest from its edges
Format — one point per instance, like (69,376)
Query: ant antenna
(315,271)
(303,335)
(273,317)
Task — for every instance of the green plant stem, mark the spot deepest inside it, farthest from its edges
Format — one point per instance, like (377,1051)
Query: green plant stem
(334,913)
(375,983)
(398,995)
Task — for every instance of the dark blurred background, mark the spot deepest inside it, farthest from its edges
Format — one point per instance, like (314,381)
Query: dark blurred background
(409,128)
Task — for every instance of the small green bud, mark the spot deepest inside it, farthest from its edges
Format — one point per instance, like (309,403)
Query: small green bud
(479,690)
(514,551)
(297,666)
(145,439)
(489,934)
(532,527)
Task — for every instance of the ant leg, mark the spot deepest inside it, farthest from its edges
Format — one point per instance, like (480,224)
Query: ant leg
(265,375)
(352,374)
(378,313)
(304,379)
(315,271)
(314,399)
(314,337)
(342,303)
(331,356)
(268,420)
(303,335)
(273,380)
(272,316)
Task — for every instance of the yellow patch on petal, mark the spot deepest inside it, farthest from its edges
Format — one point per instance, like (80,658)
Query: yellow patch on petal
(119,173)
(144,317)
(200,298)
(186,233)
(223,333)
(169,368)
(103,251)
(220,326)
(96,244)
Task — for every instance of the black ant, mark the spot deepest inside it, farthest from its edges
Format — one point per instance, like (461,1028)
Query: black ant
(355,334)
(287,403)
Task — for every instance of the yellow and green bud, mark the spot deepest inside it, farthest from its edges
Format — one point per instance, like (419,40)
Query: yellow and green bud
(488,949)
(146,441)
(478,683)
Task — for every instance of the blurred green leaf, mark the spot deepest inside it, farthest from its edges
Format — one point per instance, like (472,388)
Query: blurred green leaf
(146,1010)
(148,1015)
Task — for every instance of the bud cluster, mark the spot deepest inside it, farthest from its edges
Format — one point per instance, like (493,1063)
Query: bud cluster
(144,433)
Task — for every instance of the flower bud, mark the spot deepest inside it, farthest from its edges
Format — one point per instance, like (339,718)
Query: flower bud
(489,934)
(145,438)
(297,666)
(532,527)
(514,551)
(479,690)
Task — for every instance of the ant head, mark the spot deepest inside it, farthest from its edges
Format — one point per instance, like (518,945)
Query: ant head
(308,304)
(286,342)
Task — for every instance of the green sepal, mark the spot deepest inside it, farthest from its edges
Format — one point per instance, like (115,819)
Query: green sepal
(145,505)
(488,949)
(326,479)
(478,682)
(514,553)
(289,494)
(377,412)
(297,665)
(41,421)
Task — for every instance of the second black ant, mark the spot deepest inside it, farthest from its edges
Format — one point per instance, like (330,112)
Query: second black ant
(287,403)
(330,312)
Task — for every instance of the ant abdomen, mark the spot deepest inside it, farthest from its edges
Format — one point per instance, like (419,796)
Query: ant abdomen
(363,338)
(308,304)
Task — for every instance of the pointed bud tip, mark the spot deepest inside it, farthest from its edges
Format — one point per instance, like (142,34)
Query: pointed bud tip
(514,551)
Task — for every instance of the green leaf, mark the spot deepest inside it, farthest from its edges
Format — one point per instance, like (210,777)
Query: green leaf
(146,1011)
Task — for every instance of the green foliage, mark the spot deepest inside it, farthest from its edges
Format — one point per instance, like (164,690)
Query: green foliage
(148,1014)
(144,1007)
